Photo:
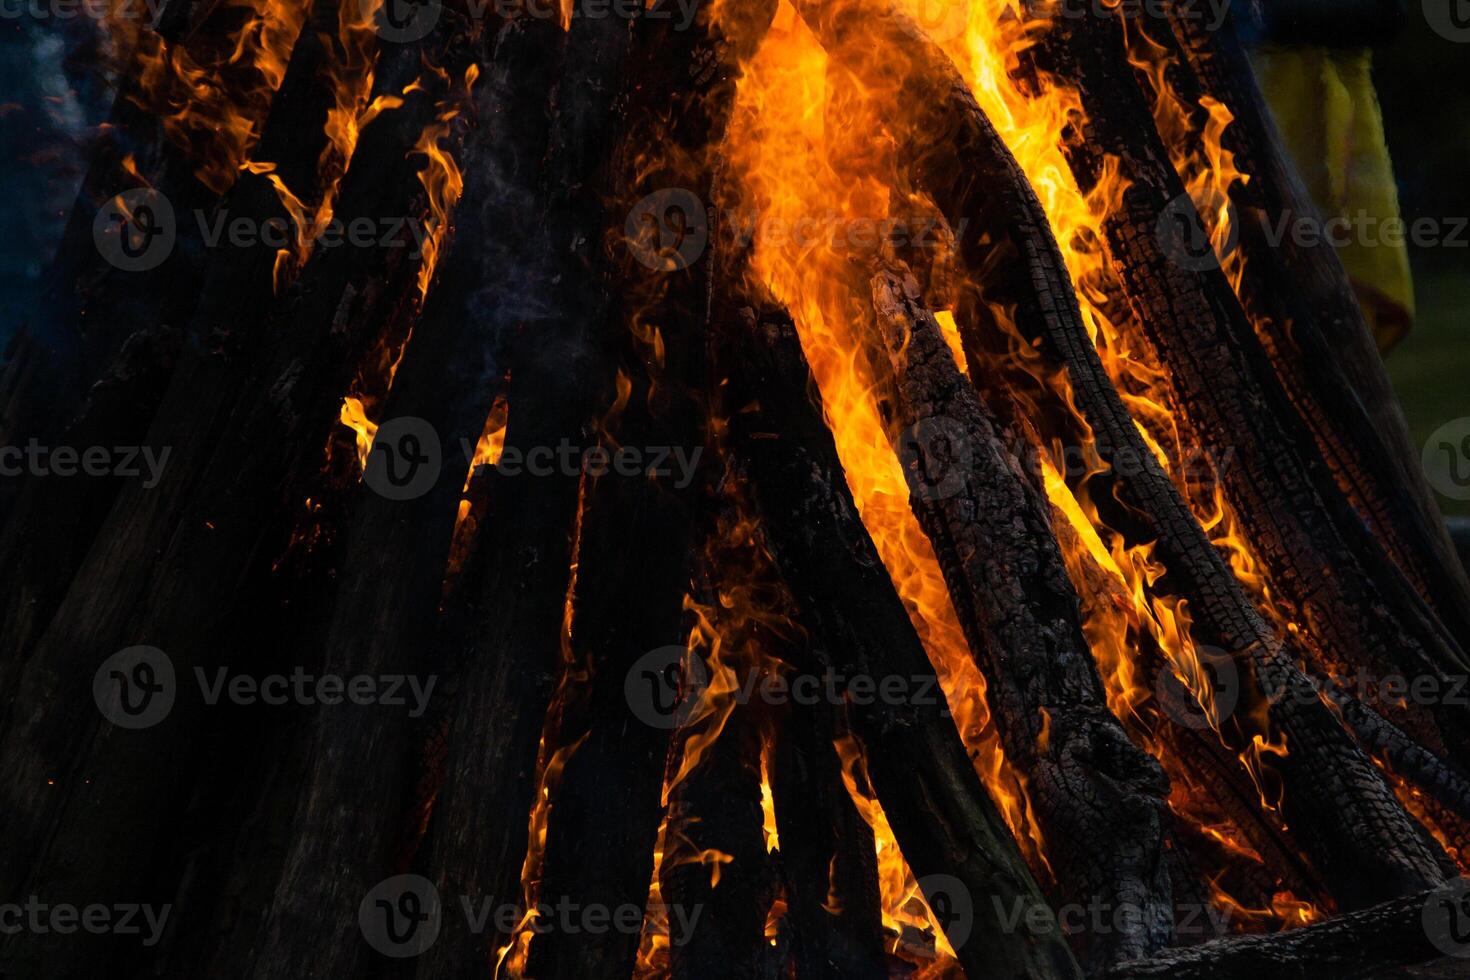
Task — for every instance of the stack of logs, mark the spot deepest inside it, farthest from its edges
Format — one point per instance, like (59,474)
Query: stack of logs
(264,832)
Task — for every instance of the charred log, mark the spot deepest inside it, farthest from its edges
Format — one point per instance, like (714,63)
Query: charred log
(1362,944)
(950,831)
(715,860)
(1284,496)
(165,565)
(595,857)
(521,559)
(828,861)
(355,799)
(156,320)
(1381,852)
(1099,798)
(1326,357)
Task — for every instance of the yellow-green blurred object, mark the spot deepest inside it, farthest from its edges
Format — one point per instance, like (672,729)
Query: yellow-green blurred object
(1328,114)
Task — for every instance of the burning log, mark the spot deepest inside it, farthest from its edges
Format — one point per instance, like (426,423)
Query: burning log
(354,800)
(524,553)
(165,565)
(1379,854)
(478,829)
(91,309)
(48,529)
(1320,344)
(827,857)
(1283,495)
(1099,798)
(1216,772)
(1360,944)
(134,355)
(945,823)
(596,857)
(1446,783)
(715,859)
(593,858)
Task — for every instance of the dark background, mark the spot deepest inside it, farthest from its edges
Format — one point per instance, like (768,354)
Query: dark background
(1424,86)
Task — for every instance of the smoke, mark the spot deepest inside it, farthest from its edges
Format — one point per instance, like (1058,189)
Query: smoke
(52,103)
